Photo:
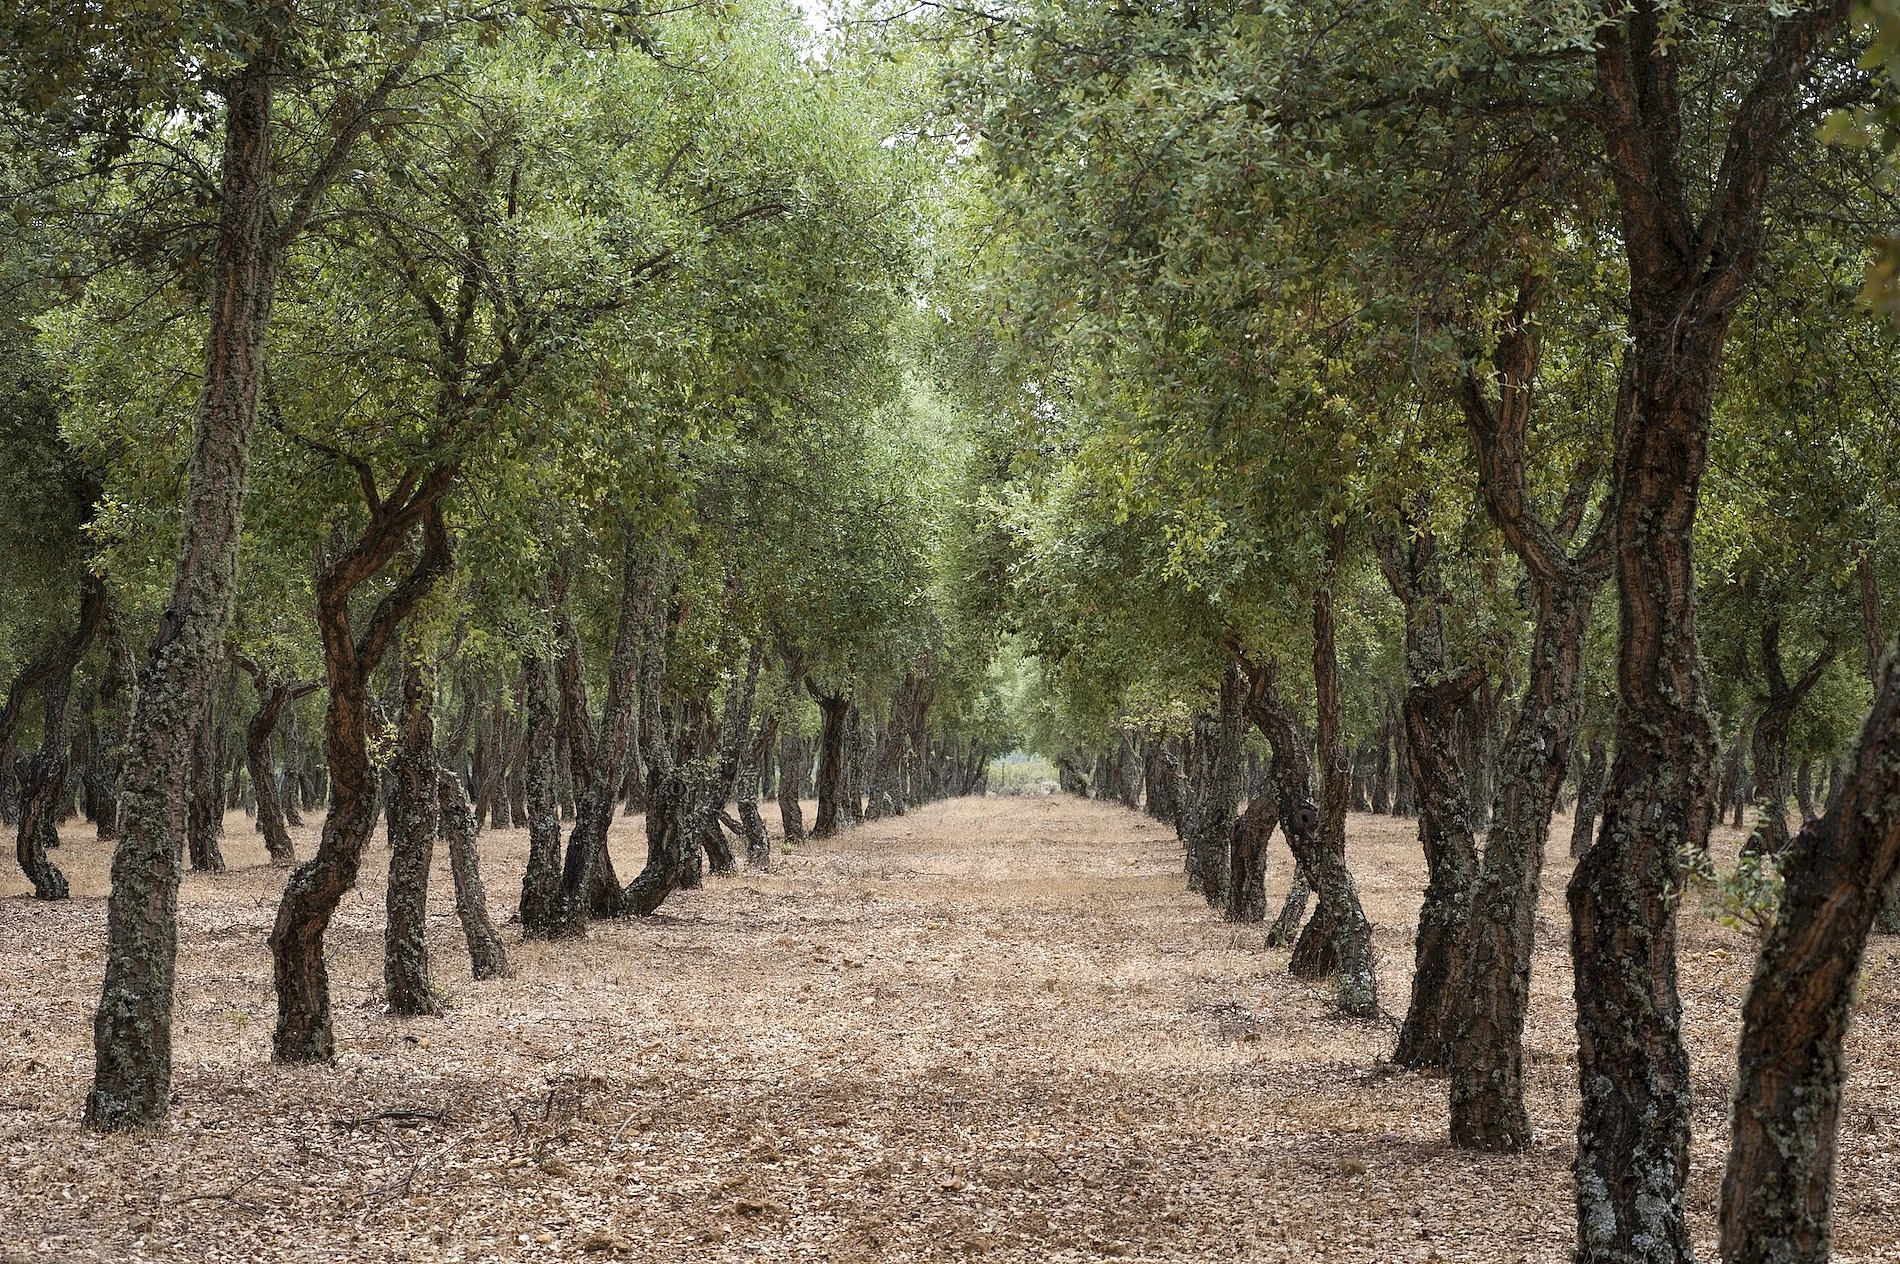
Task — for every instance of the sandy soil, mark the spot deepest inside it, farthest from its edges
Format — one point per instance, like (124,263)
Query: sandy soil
(994,1028)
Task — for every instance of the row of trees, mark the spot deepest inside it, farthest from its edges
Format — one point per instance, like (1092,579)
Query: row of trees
(1480,393)
(559,431)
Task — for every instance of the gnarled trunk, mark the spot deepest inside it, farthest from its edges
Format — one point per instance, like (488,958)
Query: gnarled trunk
(1291,776)
(834,709)
(1777,1194)
(315,888)
(1430,709)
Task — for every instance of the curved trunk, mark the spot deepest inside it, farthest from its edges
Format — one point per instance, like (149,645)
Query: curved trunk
(315,888)
(1286,926)
(1633,1129)
(272,700)
(1338,939)
(1777,1193)
(488,959)
(589,885)
(1291,776)
(43,774)
(1589,797)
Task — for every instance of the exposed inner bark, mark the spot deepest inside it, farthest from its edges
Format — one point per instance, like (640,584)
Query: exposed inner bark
(1689,268)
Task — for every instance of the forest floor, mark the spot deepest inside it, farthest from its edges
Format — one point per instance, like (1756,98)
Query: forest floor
(995,1028)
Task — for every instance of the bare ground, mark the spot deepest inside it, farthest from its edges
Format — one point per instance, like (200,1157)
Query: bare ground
(995,1028)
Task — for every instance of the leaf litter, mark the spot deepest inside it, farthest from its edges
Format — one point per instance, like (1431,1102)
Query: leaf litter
(991,1029)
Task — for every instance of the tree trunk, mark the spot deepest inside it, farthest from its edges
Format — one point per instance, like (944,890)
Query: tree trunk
(132,1030)
(1300,821)
(315,888)
(1633,1129)
(1286,927)
(1337,938)
(414,813)
(42,775)
(667,790)
(588,882)
(1247,863)
(541,882)
(1777,1194)
(488,959)
(1206,819)
(1492,992)
(758,844)
(833,709)
(272,700)
(205,790)
(1770,744)
(104,768)
(1590,779)
(1430,710)
(792,756)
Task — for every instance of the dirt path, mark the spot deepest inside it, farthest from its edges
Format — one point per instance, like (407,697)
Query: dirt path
(994,1028)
